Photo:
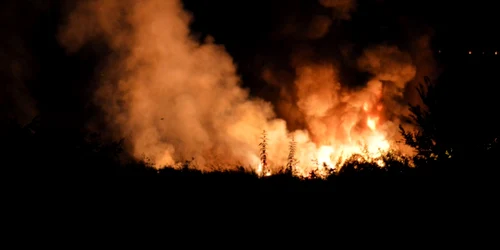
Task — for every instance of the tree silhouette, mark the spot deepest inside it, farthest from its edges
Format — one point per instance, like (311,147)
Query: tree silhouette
(291,160)
(263,151)
(429,138)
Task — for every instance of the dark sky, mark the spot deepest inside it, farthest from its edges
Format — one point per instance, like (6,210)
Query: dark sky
(251,30)
(467,21)
(34,63)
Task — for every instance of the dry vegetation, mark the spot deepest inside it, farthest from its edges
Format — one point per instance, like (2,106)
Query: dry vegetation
(47,156)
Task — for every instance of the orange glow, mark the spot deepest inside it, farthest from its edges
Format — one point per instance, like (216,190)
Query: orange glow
(372,124)
(260,171)
(175,98)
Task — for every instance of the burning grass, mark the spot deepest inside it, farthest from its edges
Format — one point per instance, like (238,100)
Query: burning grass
(383,163)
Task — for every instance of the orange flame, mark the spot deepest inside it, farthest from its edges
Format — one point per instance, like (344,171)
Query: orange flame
(175,98)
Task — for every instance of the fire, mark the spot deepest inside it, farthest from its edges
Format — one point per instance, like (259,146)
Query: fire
(324,155)
(175,98)
(372,123)
(263,172)
(365,106)
(369,145)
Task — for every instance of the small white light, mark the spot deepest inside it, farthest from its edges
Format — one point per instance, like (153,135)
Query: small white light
(496,53)
(439,51)
(470,52)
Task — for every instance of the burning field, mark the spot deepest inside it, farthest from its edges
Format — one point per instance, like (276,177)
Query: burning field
(174,99)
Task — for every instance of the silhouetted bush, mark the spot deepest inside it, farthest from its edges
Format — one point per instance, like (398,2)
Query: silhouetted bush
(44,155)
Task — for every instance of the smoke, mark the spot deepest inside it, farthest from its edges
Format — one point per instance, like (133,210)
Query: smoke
(427,66)
(336,44)
(395,69)
(341,8)
(325,97)
(317,26)
(336,114)
(170,96)
(174,98)
(309,28)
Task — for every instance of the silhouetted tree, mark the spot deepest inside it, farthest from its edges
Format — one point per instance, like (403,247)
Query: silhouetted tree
(428,139)
(291,161)
(263,151)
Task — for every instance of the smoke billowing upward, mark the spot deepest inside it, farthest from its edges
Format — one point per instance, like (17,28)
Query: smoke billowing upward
(322,93)
(174,98)
(171,96)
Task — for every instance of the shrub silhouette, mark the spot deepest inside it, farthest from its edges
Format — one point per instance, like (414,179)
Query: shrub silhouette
(46,154)
(429,139)
(442,143)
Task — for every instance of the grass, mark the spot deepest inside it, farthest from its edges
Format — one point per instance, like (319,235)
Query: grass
(40,159)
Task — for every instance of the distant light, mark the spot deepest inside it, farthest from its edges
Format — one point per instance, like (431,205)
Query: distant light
(470,52)
(496,53)
(483,52)
(439,51)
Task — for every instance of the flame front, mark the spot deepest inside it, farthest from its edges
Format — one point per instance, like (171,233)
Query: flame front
(342,123)
(175,98)
(364,139)
(370,147)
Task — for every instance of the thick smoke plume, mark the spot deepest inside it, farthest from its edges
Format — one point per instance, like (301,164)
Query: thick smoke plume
(346,118)
(170,96)
(174,98)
